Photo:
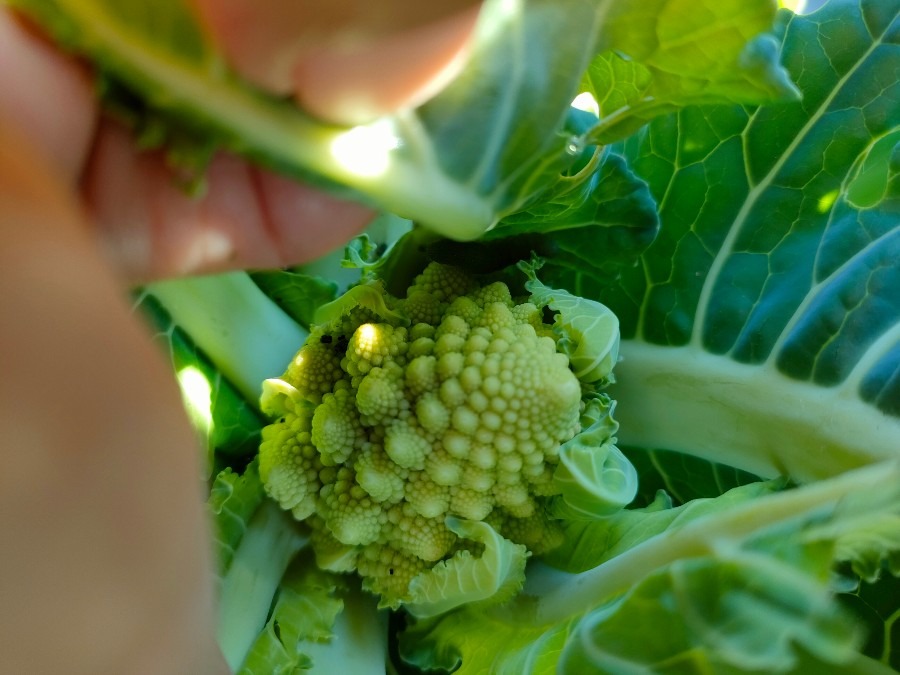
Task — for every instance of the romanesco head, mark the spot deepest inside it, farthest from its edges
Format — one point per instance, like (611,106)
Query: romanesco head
(391,427)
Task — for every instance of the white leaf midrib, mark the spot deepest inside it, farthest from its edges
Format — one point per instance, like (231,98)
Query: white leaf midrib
(747,416)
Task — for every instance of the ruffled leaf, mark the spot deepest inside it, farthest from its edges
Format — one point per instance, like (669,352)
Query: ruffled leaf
(466,579)
(588,330)
(741,613)
(594,477)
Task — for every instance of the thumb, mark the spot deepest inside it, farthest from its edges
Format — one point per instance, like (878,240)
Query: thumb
(347,61)
(100,506)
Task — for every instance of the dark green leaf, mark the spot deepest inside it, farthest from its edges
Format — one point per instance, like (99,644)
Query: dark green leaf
(598,225)
(298,294)
(877,606)
(762,326)
(682,477)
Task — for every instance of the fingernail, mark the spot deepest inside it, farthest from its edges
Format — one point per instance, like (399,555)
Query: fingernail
(204,250)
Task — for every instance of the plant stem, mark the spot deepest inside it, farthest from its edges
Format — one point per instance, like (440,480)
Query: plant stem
(239,328)
(271,542)
(857,494)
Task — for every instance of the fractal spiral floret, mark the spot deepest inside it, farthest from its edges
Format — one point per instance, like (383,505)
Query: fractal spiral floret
(401,422)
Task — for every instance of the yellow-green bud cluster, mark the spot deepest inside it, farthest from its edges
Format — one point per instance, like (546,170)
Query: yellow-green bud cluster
(390,428)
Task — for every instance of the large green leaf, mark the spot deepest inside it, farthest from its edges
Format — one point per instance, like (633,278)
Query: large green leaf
(591,543)
(718,614)
(762,327)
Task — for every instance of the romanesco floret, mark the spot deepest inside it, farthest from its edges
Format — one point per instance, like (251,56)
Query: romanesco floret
(461,412)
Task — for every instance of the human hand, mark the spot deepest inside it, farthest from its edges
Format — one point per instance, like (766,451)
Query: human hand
(105,567)
(349,60)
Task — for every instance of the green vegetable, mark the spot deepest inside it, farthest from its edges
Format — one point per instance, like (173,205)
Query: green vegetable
(454,401)
(718,225)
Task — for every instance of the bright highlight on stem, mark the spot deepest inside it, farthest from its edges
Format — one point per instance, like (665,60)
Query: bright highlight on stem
(365,151)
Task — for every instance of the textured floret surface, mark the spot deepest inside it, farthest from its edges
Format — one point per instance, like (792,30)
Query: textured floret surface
(386,427)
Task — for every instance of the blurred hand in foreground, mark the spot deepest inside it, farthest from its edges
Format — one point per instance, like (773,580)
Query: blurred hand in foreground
(105,566)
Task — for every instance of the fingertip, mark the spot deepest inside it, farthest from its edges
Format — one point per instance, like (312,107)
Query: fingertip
(101,568)
(353,83)
(247,217)
(345,62)
(260,38)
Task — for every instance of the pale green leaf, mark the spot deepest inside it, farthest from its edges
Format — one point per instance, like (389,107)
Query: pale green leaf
(594,478)
(466,579)
(723,614)
(666,54)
